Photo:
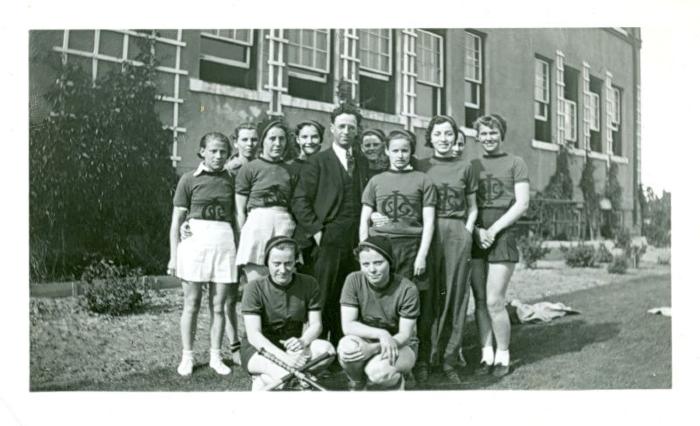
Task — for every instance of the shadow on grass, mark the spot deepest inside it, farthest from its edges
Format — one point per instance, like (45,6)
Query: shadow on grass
(530,343)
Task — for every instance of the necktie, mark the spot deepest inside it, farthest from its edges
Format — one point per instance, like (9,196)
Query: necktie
(351,161)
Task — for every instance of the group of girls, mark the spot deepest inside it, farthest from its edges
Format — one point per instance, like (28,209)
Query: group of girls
(247,194)
(447,219)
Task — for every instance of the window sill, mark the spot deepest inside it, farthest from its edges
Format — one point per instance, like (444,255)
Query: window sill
(201,86)
(620,160)
(546,146)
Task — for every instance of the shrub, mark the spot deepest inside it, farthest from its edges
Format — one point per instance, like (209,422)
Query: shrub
(603,255)
(656,217)
(114,289)
(618,265)
(580,256)
(532,250)
(101,178)
(664,260)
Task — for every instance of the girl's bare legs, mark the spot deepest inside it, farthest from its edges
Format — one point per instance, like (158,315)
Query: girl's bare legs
(480,271)
(217,297)
(497,281)
(192,294)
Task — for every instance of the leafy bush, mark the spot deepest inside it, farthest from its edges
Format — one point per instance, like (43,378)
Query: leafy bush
(656,217)
(603,255)
(532,250)
(114,289)
(580,256)
(618,265)
(101,178)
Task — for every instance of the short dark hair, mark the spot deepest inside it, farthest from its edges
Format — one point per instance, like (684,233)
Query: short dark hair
(439,119)
(492,120)
(347,108)
(213,136)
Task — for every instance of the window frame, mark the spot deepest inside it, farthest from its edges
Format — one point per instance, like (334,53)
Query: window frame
(323,72)
(441,57)
(479,80)
(368,71)
(594,122)
(546,86)
(617,109)
(225,61)
(570,105)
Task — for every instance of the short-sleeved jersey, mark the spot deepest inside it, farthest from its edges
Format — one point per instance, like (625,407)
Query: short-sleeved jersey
(266,183)
(497,176)
(207,196)
(400,196)
(381,307)
(283,310)
(453,182)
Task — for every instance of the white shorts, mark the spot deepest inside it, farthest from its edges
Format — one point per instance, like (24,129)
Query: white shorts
(261,225)
(209,255)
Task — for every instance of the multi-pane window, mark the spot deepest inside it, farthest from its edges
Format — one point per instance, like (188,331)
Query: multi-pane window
(617,122)
(228,47)
(429,58)
(377,87)
(375,50)
(595,112)
(227,57)
(542,104)
(570,121)
(571,95)
(429,72)
(541,90)
(472,70)
(617,109)
(309,49)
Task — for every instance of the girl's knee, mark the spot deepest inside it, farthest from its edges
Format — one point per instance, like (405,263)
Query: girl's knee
(319,347)
(348,344)
(382,374)
(496,305)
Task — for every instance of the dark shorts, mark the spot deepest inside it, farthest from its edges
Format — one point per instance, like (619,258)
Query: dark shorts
(505,248)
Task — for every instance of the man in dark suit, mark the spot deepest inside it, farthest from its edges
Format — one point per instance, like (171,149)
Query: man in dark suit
(326,206)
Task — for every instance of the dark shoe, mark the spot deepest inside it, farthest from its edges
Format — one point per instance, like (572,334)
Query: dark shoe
(420,373)
(500,370)
(451,375)
(483,369)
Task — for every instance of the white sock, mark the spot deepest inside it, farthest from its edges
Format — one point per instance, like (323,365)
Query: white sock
(187,355)
(214,354)
(502,357)
(487,355)
(217,363)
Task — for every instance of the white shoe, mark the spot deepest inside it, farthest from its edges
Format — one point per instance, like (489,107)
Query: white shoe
(218,365)
(185,367)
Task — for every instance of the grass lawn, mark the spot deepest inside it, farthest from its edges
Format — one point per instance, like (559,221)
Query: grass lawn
(613,344)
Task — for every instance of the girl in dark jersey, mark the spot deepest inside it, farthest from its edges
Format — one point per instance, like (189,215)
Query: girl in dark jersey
(452,242)
(263,191)
(205,196)
(407,198)
(245,145)
(502,198)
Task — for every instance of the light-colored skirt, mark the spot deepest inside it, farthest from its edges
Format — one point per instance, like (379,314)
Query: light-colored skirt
(209,255)
(262,224)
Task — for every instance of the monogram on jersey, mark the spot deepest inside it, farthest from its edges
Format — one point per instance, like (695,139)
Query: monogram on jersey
(490,189)
(397,206)
(214,210)
(449,198)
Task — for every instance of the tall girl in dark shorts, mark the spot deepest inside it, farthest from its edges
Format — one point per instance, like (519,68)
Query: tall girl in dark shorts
(502,198)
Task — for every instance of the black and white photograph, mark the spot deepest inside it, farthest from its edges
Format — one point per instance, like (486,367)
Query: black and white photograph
(406,210)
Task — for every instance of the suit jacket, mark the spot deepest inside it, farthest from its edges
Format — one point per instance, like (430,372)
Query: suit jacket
(319,193)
